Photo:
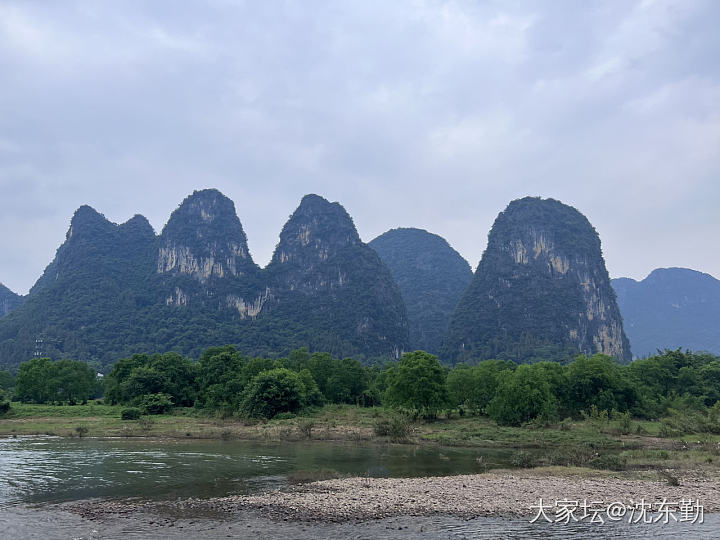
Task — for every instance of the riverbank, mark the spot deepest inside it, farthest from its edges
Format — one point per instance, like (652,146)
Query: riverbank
(503,494)
(579,443)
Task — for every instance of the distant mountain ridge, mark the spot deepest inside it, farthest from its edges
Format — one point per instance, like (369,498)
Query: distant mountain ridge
(671,308)
(8,300)
(114,290)
(540,292)
(431,276)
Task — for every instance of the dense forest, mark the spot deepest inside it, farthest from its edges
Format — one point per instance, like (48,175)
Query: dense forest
(224,381)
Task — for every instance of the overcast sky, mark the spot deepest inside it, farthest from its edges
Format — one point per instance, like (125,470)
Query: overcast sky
(429,114)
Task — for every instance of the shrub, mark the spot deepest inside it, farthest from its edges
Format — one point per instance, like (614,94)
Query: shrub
(306,427)
(155,403)
(131,413)
(522,459)
(611,462)
(623,422)
(397,428)
(4,403)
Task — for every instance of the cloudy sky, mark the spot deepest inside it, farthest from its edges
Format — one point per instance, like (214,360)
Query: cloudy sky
(433,114)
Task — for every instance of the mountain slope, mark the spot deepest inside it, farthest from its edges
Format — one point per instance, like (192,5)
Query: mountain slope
(431,276)
(671,308)
(541,291)
(114,290)
(8,300)
(324,279)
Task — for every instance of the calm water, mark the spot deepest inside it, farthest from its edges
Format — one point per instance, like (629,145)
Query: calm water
(49,469)
(37,472)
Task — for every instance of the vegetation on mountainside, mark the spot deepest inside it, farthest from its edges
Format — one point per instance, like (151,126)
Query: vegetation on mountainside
(536,291)
(671,308)
(8,300)
(431,277)
(103,297)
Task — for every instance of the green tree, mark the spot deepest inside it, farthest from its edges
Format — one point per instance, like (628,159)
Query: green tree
(522,395)
(120,373)
(7,381)
(179,376)
(72,381)
(598,380)
(417,382)
(221,378)
(32,385)
(348,381)
(475,386)
(272,392)
(42,381)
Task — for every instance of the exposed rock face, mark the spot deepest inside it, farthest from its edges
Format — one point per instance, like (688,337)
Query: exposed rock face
(323,277)
(671,308)
(8,300)
(204,239)
(114,290)
(541,291)
(431,276)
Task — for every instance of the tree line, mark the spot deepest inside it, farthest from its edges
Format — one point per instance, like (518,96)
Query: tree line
(225,381)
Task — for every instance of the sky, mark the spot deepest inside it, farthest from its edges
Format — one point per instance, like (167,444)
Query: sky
(410,113)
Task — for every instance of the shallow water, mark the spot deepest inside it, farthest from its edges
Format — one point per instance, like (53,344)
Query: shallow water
(53,469)
(52,523)
(40,475)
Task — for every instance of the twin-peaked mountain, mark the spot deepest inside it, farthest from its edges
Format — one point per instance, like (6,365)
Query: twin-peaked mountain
(8,300)
(114,290)
(431,276)
(540,292)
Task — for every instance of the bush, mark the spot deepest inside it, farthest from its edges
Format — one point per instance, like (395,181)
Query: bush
(522,460)
(611,462)
(131,413)
(397,428)
(306,427)
(4,406)
(155,403)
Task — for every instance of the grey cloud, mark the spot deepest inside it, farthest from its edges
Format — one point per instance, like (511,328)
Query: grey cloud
(425,113)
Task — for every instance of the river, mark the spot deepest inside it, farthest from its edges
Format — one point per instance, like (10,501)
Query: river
(40,476)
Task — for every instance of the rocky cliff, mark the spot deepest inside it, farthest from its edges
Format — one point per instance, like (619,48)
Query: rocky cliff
(431,276)
(114,290)
(669,309)
(203,257)
(541,291)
